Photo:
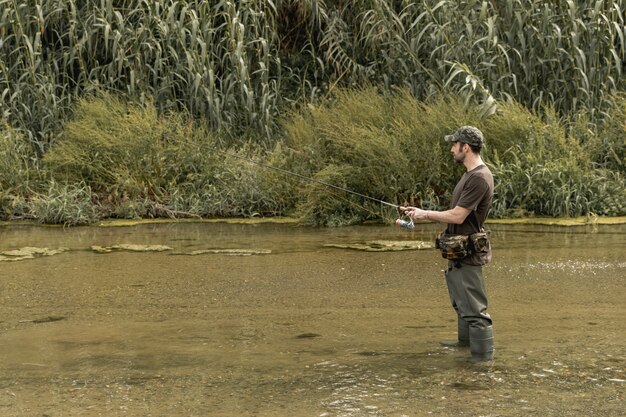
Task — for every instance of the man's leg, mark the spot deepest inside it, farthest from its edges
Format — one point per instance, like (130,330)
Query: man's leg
(467,293)
(463,338)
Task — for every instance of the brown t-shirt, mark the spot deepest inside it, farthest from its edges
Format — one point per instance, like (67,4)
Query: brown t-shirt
(474,191)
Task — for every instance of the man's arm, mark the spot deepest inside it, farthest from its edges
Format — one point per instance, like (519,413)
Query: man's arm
(453,216)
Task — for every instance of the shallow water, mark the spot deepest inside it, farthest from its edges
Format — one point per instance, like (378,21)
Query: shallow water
(306,330)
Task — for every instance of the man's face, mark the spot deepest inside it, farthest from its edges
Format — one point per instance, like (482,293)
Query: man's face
(458,152)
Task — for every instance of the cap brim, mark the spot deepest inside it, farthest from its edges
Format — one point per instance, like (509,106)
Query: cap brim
(450,138)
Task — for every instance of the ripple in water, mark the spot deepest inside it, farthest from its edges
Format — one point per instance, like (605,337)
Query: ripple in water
(354,390)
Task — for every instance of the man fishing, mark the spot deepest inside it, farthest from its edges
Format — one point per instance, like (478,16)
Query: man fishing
(465,244)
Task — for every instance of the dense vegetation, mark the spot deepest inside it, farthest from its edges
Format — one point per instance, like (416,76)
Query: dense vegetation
(125,160)
(132,108)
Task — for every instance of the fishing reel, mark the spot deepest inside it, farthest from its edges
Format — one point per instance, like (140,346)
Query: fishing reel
(406,224)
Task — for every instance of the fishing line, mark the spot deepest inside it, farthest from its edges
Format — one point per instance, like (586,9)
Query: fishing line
(407,224)
(284,171)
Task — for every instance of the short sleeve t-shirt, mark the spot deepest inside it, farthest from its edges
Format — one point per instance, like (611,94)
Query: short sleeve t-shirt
(474,191)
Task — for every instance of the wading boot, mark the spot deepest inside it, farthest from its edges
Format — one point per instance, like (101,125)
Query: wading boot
(481,344)
(463,336)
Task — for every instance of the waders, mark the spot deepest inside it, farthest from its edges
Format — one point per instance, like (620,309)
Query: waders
(469,300)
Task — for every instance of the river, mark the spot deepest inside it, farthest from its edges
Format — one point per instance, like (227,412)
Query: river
(268,320)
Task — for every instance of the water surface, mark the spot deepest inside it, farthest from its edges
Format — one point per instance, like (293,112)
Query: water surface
(306,330)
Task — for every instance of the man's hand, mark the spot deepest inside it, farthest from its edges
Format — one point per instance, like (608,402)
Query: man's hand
(415,213)
(453,216)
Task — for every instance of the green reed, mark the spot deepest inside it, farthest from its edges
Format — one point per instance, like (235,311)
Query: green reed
(238,66)
(66,204)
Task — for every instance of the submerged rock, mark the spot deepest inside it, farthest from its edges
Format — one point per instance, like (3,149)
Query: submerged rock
(48,319)
(130,247)
(384,245)
(28,252)
(308,336)
(232,252)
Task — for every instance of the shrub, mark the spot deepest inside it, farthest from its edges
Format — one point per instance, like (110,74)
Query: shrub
(17,160)
(18,173)
(143,164)
(391,148)
(67,204)
(529,186)
(388,147)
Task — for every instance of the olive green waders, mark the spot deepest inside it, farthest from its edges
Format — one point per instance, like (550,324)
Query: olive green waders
(467,294)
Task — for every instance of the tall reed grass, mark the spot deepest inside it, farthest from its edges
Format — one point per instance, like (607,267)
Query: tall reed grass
(237,66)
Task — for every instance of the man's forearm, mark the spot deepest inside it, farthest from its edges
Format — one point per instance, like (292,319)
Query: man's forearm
(447,216)
(455,215)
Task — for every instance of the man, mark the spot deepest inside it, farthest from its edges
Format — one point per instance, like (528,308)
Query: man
(471,201)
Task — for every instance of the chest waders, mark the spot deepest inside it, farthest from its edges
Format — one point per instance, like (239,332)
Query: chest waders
(467,295)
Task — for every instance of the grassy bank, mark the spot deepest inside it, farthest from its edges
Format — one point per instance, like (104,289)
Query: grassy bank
(121,160)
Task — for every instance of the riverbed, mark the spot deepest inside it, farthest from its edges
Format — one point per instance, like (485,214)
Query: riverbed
(216,319)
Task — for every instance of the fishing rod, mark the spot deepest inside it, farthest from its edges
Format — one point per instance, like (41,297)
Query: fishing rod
(336,187)
(408,224)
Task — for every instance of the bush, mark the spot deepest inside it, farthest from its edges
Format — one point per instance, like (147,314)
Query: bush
(18,173)
(70,205)
(129,161)
(391,148)
(142,164)
(17,160)
(529,186)
(388,147)
(608,147)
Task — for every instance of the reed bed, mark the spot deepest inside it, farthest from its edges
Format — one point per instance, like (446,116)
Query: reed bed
(238,66)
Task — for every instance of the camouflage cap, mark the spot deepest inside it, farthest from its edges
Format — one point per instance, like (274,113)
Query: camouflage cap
(467,134)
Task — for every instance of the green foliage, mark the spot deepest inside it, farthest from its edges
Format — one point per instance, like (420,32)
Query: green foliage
(122,159)
(238,66)
(544,166)
(17,160)
(555,187)
(608,147)
(218,61)
(391,148)
(218,183)
(18,173)
(388,147)
(141,164)
(68,204)
(111,145)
